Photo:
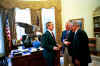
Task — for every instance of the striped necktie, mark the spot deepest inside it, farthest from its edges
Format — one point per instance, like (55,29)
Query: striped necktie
(53,36)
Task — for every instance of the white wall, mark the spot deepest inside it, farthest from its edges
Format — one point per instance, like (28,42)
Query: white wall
(72,9)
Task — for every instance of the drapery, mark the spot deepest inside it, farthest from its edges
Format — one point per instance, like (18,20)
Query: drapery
(36,19)
(8,28)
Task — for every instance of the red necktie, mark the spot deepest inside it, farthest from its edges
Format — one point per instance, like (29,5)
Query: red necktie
(53,36)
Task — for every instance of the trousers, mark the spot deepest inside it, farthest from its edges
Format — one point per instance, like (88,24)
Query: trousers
(67,58)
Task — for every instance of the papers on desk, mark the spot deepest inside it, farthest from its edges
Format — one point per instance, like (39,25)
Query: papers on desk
(40,48)
(24,52)
(36,49)
(33,50)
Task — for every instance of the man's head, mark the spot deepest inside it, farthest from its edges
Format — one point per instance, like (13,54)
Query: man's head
(68,25)
(76,26)
(50,26)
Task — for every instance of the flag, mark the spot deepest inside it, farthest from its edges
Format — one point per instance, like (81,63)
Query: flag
(8,33)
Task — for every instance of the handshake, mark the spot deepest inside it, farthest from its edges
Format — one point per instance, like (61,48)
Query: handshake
(66,42)
(58,47)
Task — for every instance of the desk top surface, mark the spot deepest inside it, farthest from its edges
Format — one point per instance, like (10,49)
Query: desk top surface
(24,52)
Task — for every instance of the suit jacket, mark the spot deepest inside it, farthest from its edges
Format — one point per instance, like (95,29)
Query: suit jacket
(80,46)
(63,35)
(69,38)
(48,43)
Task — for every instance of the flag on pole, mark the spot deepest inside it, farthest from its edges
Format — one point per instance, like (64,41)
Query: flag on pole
(8,33)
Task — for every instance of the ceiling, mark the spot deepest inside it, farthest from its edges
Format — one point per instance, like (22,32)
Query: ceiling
(26,3)
(33,0)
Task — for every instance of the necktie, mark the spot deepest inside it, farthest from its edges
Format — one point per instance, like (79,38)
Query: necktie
(67,32)
(53,36)
(74,35)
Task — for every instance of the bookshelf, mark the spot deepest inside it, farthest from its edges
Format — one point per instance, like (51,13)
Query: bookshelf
(97,26)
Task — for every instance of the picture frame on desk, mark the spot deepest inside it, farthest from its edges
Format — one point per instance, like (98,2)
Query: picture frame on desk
(80,21)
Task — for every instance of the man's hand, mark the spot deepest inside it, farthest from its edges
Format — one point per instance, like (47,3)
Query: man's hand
(77,62)
(67,43)
(55,48)
(59,46)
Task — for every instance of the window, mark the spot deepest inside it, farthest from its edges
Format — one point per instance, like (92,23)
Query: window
(22,16)
(1,38)
(48,15)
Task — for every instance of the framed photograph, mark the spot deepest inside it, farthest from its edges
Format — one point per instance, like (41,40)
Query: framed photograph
(80,21)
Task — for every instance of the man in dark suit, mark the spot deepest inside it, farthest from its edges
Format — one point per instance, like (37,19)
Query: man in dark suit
(48,42)
(80,46)
(66,38)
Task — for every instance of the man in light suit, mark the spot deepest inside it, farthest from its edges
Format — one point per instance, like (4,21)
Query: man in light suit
(66,38)
(49,44)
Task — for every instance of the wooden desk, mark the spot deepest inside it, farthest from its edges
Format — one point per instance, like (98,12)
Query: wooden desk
(34,59)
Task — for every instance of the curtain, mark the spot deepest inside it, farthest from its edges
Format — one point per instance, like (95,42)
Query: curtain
(11,19)
(36,19)
(8,27)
